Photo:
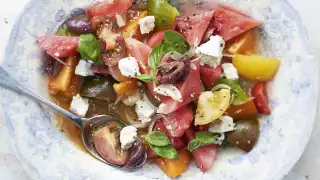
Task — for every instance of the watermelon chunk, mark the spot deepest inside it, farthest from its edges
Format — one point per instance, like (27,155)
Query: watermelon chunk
(179,121)
(190,90)
(209,75)
(194,27)
(59,46)
(229,23)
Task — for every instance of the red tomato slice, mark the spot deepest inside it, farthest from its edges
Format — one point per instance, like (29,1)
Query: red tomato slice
(205,156)
(209,75)
(194,27)
(261,99)
(179,121)
(59,46)
(190,90)
(176,142)
(110,9)
(156,39)
(230,23)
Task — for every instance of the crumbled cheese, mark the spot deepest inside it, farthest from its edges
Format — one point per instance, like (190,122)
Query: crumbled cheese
(169,90)
(220,139)
(230,71)
(147,24)
(121,19)
(79,105)
(84,68)
(133,99)
(226,125)
(129,67)
(145,110)
(128,136)
(211,52)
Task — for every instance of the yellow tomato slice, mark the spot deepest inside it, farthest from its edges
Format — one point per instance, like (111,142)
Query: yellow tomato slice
(132,28)
(256,68)
(212,105)
(174,167)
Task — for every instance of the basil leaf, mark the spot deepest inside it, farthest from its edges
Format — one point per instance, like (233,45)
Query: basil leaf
(202,139)
(165,151)
(206,137)
(157,138)
(195,143)
(89,48)
(145,78)
(174,41)
(154,58)
(63,31)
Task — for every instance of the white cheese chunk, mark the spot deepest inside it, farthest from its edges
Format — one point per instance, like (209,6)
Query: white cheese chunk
(230,71)
(211,52)
(129,67)
(84,68)
(147,24)
(169,90)
(121,20)
(79,105)
(128,136)
(133,99)
(145,110)
(226,125)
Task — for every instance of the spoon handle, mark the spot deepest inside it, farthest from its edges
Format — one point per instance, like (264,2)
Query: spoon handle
(7,81)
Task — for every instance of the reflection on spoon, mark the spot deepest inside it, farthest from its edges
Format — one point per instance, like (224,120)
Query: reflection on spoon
(100,134)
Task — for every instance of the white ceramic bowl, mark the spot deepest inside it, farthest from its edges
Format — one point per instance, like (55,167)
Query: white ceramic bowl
(46,154)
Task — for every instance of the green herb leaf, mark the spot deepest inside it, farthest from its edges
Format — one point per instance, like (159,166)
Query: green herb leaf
(89,48)
(206,137)
(63,31)
(202,139)
(165,151)
(157,138)
(165,14)
(173,41)
(195,143)
(145,78)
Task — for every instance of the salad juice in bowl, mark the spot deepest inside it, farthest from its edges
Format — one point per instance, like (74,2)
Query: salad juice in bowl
(216,90)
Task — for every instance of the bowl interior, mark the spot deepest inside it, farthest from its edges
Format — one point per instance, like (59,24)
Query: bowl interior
(46,153)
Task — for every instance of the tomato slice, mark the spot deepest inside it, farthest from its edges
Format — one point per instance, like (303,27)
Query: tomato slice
(59,46)
(194,27)
(179,121)
(210,75)
(205,156)
(230,23)
(243,111)
(261,99)
(156,39)
(101,8)
(190,90)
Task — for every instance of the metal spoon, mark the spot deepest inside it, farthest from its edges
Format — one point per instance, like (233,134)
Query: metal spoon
(87,126)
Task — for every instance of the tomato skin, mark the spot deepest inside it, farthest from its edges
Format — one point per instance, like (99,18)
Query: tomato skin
(156,39)
(210,75)
(243,111)
(110,9)
(179,121)
(261,99)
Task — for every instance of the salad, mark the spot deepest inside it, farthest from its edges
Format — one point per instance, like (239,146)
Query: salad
(186,82)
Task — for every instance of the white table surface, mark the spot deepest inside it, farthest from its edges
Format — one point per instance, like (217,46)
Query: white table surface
(306,169)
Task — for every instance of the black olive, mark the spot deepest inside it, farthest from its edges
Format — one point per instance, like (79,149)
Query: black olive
(173,72)
(79,26)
